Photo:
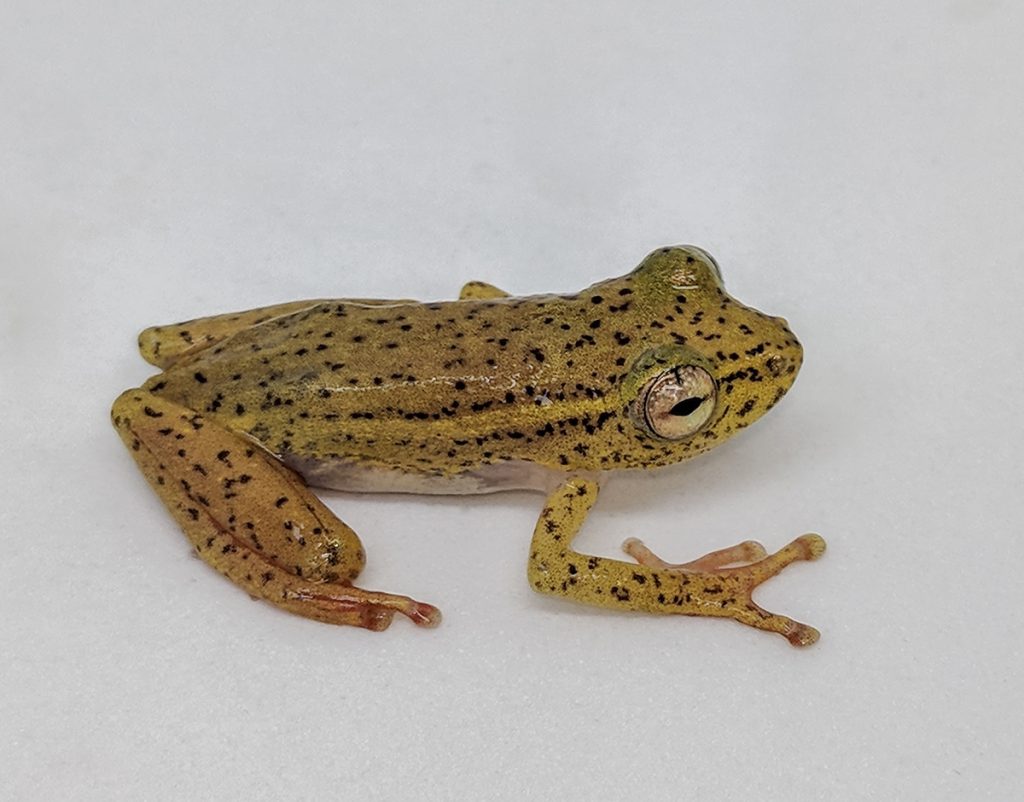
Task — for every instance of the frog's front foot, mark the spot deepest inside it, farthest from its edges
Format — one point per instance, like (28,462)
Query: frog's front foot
(719,584)
(726,580)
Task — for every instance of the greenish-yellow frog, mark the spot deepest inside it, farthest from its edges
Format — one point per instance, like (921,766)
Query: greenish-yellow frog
(486,393)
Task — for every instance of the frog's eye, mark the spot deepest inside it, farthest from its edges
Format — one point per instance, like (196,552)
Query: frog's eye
(678,402)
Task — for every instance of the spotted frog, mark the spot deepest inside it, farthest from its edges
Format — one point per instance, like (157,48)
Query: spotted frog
(490,392)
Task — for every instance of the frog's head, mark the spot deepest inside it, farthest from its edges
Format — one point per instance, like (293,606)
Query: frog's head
(713,365)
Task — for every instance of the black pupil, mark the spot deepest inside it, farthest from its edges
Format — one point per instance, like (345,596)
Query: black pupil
(686,406)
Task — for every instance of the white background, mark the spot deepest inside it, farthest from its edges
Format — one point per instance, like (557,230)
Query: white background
(855,167)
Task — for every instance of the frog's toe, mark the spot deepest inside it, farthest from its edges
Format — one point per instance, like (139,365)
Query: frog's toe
(424,615)
(749,551)
(742,582)
(812,544)
(352,606)
(796,633)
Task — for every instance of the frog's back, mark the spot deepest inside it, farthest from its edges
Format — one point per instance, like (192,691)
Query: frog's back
(446,392)
(437,389)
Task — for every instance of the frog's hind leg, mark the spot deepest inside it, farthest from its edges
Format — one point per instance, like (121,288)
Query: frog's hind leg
(480,291)
(164,346)
(704,587)
(253,519)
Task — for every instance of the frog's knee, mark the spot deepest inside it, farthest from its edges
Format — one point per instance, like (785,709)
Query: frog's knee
(125,406)
(151,343)
(162,346)
(480,290)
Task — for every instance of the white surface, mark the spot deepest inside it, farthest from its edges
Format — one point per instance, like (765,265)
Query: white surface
(855,167)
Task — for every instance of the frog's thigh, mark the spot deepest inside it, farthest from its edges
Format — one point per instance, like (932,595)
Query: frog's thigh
(656,586)
(164,345)
(480,291)
(251,518)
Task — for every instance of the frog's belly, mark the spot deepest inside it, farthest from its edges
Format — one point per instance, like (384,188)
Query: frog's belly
(360,478)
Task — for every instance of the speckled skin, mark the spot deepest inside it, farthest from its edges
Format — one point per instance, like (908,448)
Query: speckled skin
(484,393)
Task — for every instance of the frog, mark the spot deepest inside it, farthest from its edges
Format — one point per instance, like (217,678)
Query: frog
(489,392)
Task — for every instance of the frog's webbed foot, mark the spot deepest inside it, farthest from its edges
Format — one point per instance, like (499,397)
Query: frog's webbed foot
(741,569)
(480,291)
(718,584)
(252,519)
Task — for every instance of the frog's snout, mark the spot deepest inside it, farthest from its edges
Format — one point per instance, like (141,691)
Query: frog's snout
(785,362)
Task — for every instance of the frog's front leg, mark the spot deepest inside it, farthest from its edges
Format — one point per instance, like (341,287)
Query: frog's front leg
(480,291)
(703,587)
(253,519)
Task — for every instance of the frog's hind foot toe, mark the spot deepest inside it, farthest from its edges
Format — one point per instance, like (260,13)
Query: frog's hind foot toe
(480,291)
(352,606)
(813,545)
